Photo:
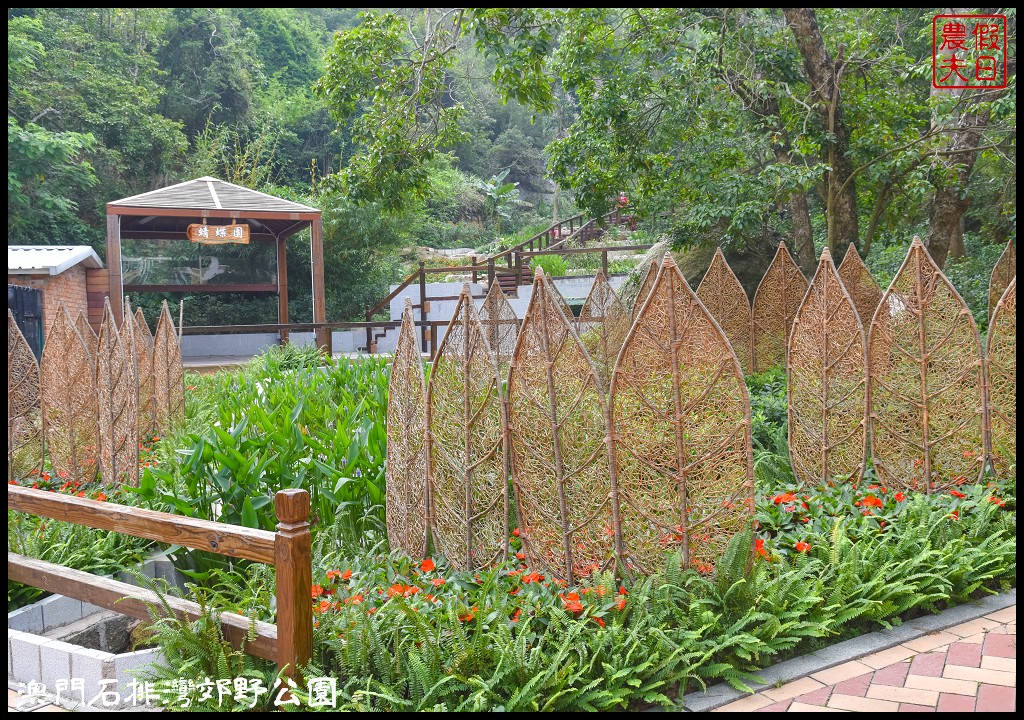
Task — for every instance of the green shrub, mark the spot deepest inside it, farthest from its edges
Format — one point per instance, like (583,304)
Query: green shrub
(554,265)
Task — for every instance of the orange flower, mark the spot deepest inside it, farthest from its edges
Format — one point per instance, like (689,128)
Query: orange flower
(900,497)
(346,575)
(318,590)
(997,501)
(872,501)
(323,607)
(101,496)
(437,582)
(955,514)
(759,546)
(802,546)
(331,574)
(533,577)
(784,498)
(356,599)
(956,494)
(80,493)
(516,614)
(620,603)
(599,621)
(427,565)
(515,533)
(521,556)
(572,603)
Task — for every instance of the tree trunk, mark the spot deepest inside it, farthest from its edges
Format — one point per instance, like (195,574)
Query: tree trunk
(945,231)
(803,234)
(823,76)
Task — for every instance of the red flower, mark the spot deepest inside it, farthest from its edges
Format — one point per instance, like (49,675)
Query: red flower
(515,533)
(318,590)
(533,577)
(620,603)
(802,546)
(346,575)
(516,614)
(900,497)
(784,498)
(101,496)
(323,607)
(956,494)
(572,603)
(599,621)
(955,514)
(427,565)
(356,599)
(331,574)
(997,501)
(872,501)
(521,556)
(759,546)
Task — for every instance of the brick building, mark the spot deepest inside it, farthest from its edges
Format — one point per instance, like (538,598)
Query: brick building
(72,274)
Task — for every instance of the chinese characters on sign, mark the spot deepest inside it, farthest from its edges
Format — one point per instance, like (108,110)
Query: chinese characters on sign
(218,234)
(969,52)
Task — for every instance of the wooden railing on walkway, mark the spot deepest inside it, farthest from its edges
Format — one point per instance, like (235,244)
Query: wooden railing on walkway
(289,643)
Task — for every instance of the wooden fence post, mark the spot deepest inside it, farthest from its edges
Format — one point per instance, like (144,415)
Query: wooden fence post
(604,262)
(423,307)
(293,559)
(369,333)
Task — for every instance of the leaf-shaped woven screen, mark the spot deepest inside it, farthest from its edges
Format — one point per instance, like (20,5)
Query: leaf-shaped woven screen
(24,424)
(560,300)
(557,419)
(645,286)
(144,361)
(115,385)
(133,353)
(1003,272)
(726,300)
(827,383)
(924,359)
(860,284)
(87,333)
(682,431)
(67,380)
(1002,379)
(500,324)
(406,482)
(469,488)
(602,327)
(780,293)
(168,375)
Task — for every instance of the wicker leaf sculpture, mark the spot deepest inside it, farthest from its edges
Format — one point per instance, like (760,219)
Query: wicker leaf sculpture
(115,386)
(682,437)
(827,379)
(1002,379)
(602,327)
(726,300)
(560,300)
(67,379)
(133,353)
(406,481)
(168,376)
(780,293)
(1004,271)
(468,483)
(925,381)
(565,489)
(500,324)
(860,284)
(645,286)
(87,333)
(24,424)
(144,362)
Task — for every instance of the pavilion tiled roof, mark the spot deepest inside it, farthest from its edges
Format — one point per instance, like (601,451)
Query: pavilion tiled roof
(208,193)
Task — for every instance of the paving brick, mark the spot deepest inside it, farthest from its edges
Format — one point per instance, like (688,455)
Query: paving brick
(955,703)
(929,664)
(994,662)
(977,638)
(750,702)
(854,686)
(1005,615)
(991,677)
(1001,646)
(964,654)
(973,627)
(943,685)
(884,658)
(903,695)
(818,697)
(842,672)
(911,707)
(800,707)
(892,675)
(931,641)
(792,689)
(861,704)
(776,707)
(993,698)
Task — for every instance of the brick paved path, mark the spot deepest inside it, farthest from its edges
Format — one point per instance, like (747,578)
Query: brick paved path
(966,668)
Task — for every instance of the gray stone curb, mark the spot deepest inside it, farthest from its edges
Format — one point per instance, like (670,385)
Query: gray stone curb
(719,695)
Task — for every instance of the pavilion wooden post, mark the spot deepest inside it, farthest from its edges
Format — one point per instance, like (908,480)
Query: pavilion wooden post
(116,290)
(316,250)
(424,307)
(282,286)
(292,558)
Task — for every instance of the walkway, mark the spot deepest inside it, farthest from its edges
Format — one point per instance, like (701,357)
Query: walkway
(970,667)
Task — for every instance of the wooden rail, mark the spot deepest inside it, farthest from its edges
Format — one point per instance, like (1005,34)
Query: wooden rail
(289,643)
